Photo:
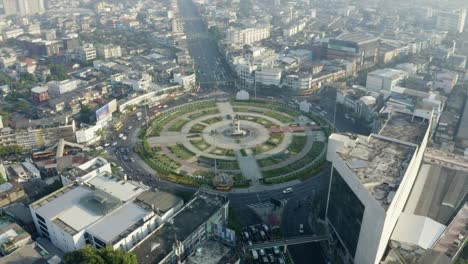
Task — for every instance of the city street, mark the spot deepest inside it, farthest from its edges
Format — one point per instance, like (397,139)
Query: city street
(211,69)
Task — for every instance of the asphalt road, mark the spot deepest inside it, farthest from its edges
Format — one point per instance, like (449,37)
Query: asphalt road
(211,69)
(138,171)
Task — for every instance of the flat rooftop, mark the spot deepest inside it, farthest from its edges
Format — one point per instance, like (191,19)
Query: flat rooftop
(440,185)
(389,73)
(401,127)
(78,206)
(359,38)
(160,201)
(159,244)
(211,252)
(380,161)
(120,220)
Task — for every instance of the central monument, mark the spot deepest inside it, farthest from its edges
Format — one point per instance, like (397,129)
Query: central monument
(236,130)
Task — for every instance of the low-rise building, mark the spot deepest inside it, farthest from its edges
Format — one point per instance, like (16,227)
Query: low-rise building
(7,58)
(248,35)
(268,76)
(37,136)
(12,237)
(185,79)
(26,65)
(10,193)
(57,88)
(384,79)
(82,213)
(86,53)
(40,94)
(109,51)
(177,238)
(445,81)
(138,81)
(12,33)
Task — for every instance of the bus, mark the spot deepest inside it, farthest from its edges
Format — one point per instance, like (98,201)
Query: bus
(118,126)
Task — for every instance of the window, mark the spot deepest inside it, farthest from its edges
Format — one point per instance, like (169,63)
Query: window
(40,218)
(345,212)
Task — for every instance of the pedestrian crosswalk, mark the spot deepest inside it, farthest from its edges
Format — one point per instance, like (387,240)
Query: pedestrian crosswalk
(265,204)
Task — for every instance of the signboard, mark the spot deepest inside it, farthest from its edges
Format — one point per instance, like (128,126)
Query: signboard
(106,111)
(223,233)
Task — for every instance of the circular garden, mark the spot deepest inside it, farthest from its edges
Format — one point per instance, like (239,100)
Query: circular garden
(247,142)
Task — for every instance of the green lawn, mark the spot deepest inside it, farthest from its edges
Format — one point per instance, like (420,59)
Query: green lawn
(298,165)
(181,151)
(200,144)
(213,120)
(297,144)
(177,126)
(197,128)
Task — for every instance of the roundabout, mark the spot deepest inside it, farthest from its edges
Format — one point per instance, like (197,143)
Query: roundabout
(243,143)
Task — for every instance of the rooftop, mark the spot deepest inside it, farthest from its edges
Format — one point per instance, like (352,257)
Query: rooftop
(439,185)
(389,73)
(380,161)
(121,219)
(160,201)
(159,244)
(75,207)
(357,37)
(29,254)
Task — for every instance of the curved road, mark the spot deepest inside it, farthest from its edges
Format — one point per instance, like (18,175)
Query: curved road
(139,171)
(212,71)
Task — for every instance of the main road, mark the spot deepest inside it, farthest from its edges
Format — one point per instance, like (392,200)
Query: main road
(212,70)
(138,170)
(212,73)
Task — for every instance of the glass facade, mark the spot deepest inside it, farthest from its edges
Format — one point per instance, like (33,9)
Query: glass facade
(345,212)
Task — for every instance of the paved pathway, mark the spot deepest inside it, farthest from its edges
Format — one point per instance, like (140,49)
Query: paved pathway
(225,109)
(249,167)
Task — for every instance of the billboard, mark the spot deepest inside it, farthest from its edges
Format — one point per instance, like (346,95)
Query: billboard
(106,110)
(223,233)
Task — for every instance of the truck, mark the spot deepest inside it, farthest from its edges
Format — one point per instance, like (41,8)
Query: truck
(138,116)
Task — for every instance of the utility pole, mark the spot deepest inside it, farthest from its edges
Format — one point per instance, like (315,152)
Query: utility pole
(255,88)
(146,114)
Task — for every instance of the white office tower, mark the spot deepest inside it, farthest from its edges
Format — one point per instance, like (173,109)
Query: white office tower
(453,21)
(371,180)
(23,7)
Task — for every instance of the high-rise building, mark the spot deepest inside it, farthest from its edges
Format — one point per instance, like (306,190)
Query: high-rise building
(23,7)
(10,7)
(370,183)
(451,21)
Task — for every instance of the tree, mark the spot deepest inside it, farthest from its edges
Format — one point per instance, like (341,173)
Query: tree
(57,73)
(87,115)
(105,255)
(86,255)
(6,151)
(110,255)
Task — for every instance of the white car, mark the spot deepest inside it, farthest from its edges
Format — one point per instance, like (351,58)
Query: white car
(287,190)
(301,229)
